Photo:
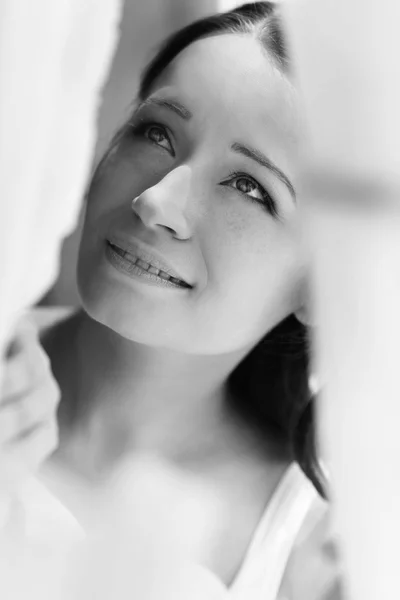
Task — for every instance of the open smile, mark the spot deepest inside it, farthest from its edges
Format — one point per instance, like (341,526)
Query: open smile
(136,265)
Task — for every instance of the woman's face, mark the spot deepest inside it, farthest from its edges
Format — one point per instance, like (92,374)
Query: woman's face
(209,158)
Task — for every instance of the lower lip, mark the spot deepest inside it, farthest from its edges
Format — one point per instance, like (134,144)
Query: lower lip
(125,266)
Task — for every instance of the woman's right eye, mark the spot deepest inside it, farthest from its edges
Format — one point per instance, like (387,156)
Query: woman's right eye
(157,134)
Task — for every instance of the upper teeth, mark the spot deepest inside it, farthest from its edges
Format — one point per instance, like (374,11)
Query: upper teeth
(147,266)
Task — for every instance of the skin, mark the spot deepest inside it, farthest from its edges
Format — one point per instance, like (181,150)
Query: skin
(161,354)
(228,239)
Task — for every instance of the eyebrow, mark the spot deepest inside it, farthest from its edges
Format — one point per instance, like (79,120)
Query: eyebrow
(262,160)
(173,105)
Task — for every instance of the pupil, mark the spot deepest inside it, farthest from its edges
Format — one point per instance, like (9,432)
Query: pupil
(244,185)
(156,134)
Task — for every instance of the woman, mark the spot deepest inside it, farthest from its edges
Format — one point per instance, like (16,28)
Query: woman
(190,344)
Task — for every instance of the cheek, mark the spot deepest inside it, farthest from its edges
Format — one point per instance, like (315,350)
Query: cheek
(254,268)
(125,174)
(110,188)
(243,241)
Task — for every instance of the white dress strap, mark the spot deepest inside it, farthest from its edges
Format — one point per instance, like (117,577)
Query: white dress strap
(261,573)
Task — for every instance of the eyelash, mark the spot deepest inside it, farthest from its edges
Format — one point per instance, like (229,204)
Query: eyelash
(267,201)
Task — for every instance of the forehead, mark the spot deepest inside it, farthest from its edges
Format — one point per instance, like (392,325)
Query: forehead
(229,81)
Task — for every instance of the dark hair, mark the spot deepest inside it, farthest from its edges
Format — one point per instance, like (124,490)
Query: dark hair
(271,385)
(259,19)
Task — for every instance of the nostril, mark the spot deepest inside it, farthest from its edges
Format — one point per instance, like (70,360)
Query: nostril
(176,233)
(154,212)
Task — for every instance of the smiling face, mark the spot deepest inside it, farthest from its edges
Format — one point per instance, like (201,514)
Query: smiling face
(206,259)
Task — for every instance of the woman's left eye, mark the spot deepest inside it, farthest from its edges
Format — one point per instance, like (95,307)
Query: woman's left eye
(247,186)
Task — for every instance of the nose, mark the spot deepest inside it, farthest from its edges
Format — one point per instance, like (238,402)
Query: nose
(163,205)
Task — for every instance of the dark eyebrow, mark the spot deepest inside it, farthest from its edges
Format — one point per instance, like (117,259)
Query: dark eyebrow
(173,105)
(262,160)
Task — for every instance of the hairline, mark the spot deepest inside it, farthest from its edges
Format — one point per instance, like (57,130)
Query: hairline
(254,30)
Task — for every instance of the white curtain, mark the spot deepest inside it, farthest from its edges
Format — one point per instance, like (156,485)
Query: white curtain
(54,57)
(346,54)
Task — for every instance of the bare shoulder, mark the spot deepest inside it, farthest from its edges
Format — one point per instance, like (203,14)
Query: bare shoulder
(313,570)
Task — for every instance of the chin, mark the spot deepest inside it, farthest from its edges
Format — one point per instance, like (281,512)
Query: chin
(153,323)
(131,318)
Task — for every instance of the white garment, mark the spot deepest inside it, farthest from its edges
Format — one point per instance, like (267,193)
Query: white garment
(261,573)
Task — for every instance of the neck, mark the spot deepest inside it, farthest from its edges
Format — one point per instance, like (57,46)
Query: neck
(153,400)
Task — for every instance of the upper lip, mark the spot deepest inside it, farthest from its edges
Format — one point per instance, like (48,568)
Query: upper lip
(138,250)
